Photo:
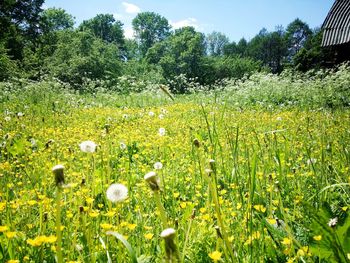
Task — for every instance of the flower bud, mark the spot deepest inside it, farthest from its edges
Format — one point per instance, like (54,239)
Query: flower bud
(59,174)
(170,247)
(196,143)
(153,180)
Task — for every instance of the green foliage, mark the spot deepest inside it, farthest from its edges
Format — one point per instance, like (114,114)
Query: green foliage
(150,28)
(334,245)
(80,55)
(55,19)
(215,43)
(312,55)
(105,27)
(179,54)
(297,33)
(8,67)
(233,67)
(269,48)
(19,21)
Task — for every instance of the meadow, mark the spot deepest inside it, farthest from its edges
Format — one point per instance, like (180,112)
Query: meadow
(258,172)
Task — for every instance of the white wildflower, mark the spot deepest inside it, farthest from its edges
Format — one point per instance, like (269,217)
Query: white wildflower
(333,222)
(161,131)
(117,193)
(7,118)
(158,165)
(151,114)
(88,146)
(168,233)
(20,114)
(153,180)
(122,146)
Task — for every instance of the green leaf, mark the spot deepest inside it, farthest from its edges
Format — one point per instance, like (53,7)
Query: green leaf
(126,244)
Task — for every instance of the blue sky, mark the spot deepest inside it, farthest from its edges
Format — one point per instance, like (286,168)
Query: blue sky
(234,18)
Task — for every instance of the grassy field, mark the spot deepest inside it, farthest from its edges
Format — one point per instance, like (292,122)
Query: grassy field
(235,183)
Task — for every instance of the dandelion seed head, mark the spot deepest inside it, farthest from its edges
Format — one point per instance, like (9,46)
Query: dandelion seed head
(151,114)
(162,131)
(158,166)
(117,193)
(122,146)
(168,233)
(88,146)
(152,179)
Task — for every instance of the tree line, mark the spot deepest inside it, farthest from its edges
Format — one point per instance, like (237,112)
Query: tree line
(37,42)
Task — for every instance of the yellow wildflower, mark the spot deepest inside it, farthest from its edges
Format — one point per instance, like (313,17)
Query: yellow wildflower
(286,241)
(3,228)
(10,234)
(317,238)
(215,256)
(148,236)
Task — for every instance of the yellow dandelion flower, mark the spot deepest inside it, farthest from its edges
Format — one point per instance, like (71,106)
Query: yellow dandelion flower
(13,261)
(271,221)
(32,202)
(106,226)
(50,239)
(93,214)
(10,234)
(148,236)
(260,208)
(317,238)
(89,200)
(131,226)
(215,256)
(286,241)
(110,214)
(3,228)
(183,204)
(176,195)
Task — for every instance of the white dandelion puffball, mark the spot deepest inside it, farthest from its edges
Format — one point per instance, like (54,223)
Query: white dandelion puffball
(122,146)
(161,131)
(161,116)
(169,232)
(88,146)
(7,118)
(20,114)
(57,167)
(117,193)
(151,114)
(158,165)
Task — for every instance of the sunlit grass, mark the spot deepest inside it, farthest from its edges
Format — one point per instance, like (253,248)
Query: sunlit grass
(245,185)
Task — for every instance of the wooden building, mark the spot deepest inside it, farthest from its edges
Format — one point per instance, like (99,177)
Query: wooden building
(336,31)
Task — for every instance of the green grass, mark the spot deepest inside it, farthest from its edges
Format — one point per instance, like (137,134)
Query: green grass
(280,174)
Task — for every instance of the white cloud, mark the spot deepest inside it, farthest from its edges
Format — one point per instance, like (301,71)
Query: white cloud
(129,33)
(131,8)
(185,22)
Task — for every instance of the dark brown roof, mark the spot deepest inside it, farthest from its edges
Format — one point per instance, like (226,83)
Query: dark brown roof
(337,24)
